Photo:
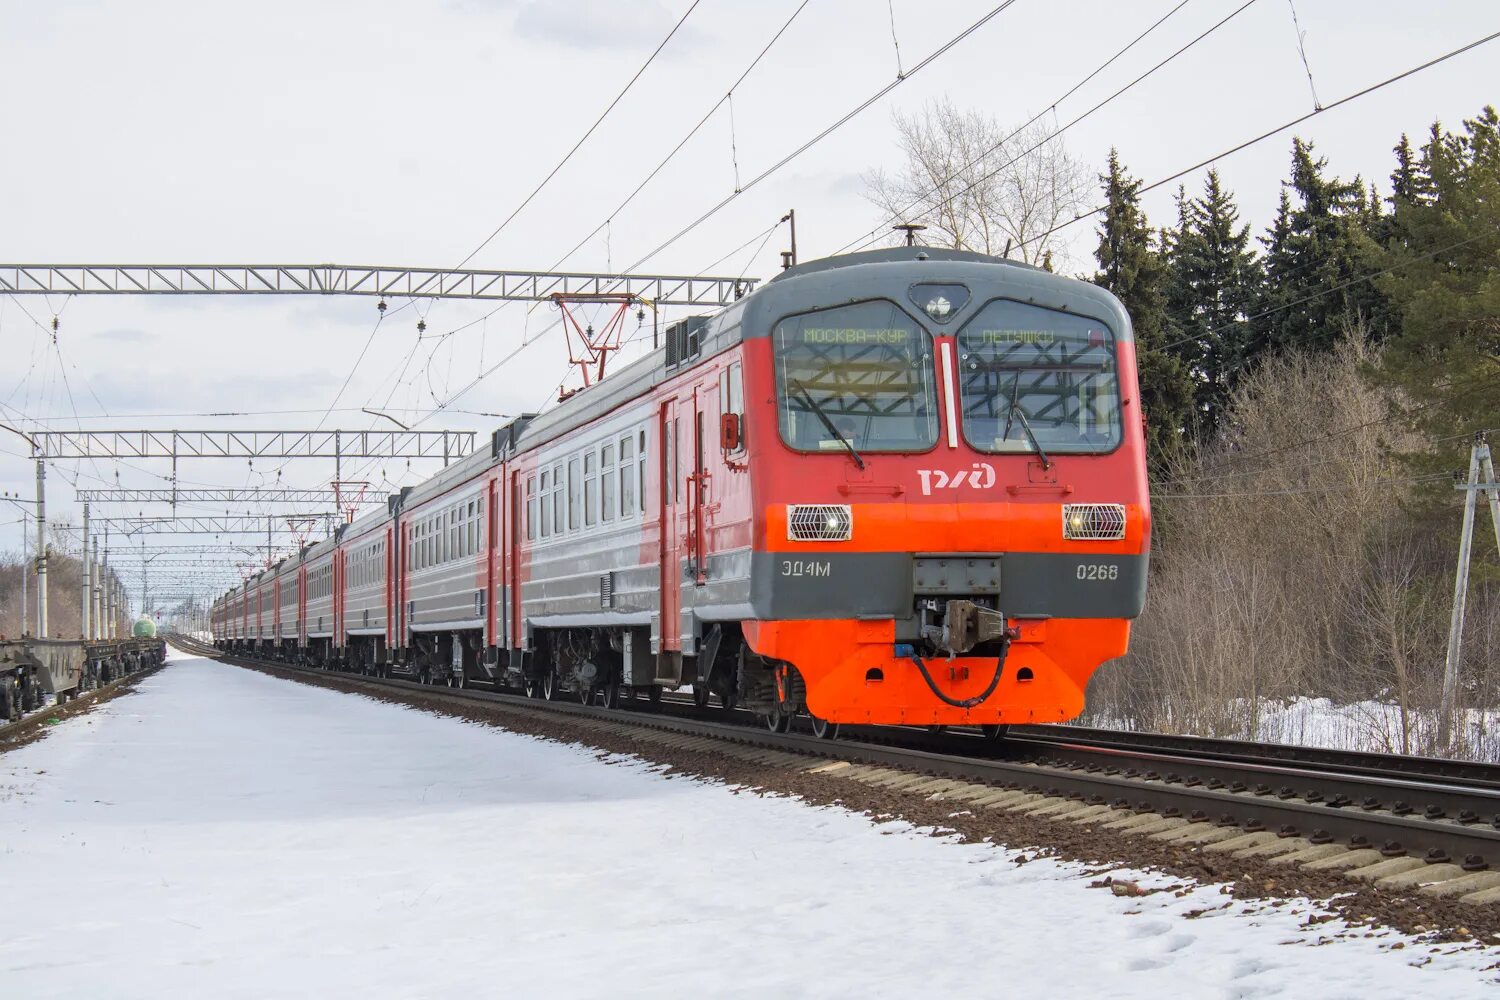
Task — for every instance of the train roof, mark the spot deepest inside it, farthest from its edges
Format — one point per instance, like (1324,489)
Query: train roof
(822,284)
(856,277)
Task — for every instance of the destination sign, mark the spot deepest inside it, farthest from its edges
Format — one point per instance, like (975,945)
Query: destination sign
(1045,338)
(855,335)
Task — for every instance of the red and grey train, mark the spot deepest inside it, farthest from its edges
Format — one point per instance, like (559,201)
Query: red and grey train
(903,486)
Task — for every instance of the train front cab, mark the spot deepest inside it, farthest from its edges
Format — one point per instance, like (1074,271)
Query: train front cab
(955,521)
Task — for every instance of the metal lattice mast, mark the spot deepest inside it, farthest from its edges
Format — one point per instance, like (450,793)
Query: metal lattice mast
(374,281)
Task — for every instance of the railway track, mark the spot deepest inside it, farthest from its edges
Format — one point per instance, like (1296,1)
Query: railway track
(1402,823)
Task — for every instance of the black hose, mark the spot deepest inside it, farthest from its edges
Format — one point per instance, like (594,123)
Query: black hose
(967,702)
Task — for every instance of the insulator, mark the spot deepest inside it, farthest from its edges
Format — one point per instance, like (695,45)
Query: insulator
(381,306)
(421,326)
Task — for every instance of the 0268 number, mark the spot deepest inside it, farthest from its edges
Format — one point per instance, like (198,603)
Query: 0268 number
(1098,571)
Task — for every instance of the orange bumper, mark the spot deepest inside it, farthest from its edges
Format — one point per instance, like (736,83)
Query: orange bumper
(853,674)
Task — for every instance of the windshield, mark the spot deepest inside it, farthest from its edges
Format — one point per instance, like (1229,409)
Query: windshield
(1023,365)
(862,373)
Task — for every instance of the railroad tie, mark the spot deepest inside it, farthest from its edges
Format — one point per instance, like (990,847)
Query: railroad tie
(1087,814)
(1159,824)
(1417,878)
(829,766)
(1389,866)
(1347,860)
(1132,821)
(1241,842)
(1196,833)
(1315,853)
(1464,885)
(1275,848)
(1051,807)
(1483,896)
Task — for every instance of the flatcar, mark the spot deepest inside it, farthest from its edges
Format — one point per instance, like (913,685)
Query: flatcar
(905,486)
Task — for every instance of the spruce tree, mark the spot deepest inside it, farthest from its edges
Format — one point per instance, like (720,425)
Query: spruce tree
(1445,276)
(1132,268)
(1320,255)
(1214,279)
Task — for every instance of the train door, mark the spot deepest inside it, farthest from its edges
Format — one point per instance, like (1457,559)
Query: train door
(518,504)
(390,589)
(672,552)
(696,493)
(403,554)
(494,558)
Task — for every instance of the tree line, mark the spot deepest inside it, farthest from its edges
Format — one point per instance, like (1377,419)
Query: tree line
(1310,391)
(1415,271)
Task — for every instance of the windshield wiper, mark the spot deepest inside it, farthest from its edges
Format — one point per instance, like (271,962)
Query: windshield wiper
(1016,411)
(813,405)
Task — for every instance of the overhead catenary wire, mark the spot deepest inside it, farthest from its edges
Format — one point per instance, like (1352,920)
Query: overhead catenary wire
(879,232)
(1270,133)
(788,158)
(1321,293)
(833,127)
(629,198)
(584,138)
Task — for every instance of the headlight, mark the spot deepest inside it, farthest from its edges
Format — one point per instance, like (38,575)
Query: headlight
(819,522)
(1093,522)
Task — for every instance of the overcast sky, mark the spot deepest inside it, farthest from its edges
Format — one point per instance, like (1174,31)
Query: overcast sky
(403,133)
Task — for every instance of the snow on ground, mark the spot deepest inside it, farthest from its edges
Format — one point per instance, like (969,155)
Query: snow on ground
(221,833)
(1375,725)
(1370,725)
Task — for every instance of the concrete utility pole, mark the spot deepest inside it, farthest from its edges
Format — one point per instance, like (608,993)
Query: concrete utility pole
(25,568)
(107,596)
(94,603)
(1480,462)
(86,590)
(41,548)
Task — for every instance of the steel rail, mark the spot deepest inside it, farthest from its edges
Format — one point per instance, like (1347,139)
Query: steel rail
(1251,798)
(1459,772)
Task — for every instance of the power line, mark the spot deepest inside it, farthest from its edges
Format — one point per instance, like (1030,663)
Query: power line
(584,138)
(1279,129)
(686,138)
(1302,490)
(864,239)
(1357,279)
(829,130)
(824,133)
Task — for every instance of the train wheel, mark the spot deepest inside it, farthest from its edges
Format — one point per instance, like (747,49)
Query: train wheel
(529,686)
(7,701)
(777,721)
(461,681)
(700,695)
(585,694)
(551,691)
(822,728)
(994,734)
(653,694)
(611,692)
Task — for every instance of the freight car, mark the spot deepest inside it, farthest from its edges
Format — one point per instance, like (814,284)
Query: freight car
(903,486)
(31,668)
